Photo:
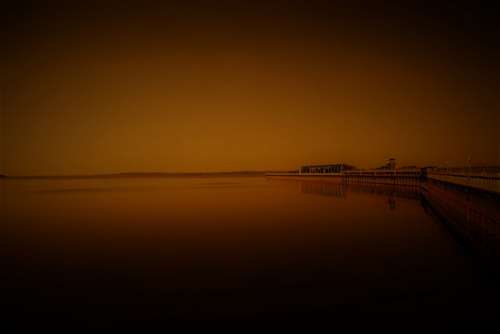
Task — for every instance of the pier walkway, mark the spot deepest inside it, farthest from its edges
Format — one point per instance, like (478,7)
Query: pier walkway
(488,182)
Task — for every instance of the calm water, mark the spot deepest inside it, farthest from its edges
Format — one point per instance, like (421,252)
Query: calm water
(224,247)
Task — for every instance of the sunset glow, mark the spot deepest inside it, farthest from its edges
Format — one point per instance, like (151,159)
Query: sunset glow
(241,87)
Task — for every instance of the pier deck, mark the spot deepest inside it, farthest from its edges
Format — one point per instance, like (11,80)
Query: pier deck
(482,182)
(490,183)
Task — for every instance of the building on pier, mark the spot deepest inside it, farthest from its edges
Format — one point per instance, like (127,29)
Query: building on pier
(323,169)
(390,165)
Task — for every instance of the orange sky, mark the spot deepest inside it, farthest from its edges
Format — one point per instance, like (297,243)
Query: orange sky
(218,91)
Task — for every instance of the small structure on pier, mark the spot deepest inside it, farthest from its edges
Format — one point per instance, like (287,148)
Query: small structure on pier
(390,165)
(323,169)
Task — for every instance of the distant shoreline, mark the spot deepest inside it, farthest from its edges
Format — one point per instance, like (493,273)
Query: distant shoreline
(139,175)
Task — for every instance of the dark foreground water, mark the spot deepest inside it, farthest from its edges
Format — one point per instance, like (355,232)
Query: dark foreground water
(104,251)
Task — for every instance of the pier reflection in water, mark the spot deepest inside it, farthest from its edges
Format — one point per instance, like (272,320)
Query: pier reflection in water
(341,189)
(472,215)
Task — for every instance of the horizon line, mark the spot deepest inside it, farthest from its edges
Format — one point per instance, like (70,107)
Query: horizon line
(198,173)
(139,174)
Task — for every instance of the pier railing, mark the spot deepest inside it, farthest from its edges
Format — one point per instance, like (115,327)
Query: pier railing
(407,177)
(385,172)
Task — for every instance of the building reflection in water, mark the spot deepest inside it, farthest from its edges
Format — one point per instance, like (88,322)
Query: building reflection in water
(324,188)
(392,203)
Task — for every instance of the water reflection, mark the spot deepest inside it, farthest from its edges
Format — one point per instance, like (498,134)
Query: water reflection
(473,216)
(341,189)
(336,189)
(229,248)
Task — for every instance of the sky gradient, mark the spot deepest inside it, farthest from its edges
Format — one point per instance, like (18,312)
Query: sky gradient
(222,87)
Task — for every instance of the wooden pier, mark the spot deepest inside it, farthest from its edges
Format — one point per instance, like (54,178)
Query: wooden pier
(468,203)
(489,183)
(393,177)
(481,182)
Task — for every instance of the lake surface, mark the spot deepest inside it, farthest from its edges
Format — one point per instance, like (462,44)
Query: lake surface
(231,248)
